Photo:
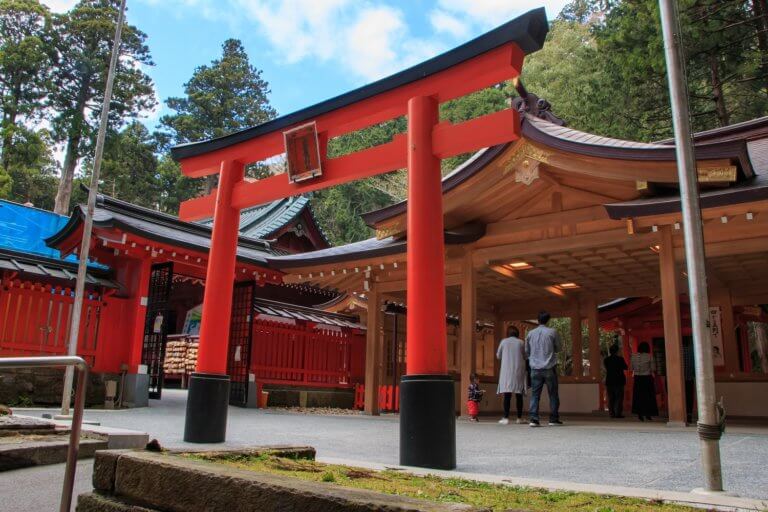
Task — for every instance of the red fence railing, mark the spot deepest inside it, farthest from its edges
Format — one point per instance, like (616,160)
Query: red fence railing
(389,398)
(303,355)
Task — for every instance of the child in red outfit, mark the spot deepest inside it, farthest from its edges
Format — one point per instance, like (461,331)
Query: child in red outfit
(475,395)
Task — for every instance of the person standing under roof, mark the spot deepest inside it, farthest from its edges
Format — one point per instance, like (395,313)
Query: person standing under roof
(615,380)
(643,389)
(512,374)
(541,347)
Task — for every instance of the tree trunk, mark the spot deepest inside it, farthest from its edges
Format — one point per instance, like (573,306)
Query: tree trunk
(64,193)
(717,90)
(760,10)
(74,136)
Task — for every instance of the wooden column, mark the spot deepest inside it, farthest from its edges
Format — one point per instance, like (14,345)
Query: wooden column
(468,321)
(576,342)
(373,356)
(595,358)
(722,297)
(139,290)
(673,343)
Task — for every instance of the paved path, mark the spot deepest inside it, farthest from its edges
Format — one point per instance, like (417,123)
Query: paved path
(624,454)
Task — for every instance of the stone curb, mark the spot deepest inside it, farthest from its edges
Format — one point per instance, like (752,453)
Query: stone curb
(40,453)
(160,481)
(116,438)
(722,502)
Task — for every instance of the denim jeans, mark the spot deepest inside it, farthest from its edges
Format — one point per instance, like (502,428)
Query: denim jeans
(539,379)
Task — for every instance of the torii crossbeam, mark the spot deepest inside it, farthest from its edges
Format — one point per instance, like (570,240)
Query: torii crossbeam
(427,416)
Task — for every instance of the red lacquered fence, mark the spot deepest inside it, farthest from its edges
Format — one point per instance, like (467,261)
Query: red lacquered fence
(35,321)
(389,398)
(305,354)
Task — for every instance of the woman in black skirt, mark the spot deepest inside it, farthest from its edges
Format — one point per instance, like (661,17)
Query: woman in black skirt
(643,391)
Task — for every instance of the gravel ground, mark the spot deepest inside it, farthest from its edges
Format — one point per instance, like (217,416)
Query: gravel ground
(625,453)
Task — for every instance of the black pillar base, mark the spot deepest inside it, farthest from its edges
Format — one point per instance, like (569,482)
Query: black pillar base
(207,404)
(428,421)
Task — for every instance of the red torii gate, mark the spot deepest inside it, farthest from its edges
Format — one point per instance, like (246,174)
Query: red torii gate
(427,417)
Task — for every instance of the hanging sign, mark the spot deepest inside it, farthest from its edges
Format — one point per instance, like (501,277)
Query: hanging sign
(716,331)
(302,152)
(157,327)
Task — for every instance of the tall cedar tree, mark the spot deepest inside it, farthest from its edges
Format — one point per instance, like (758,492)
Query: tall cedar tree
(129,168)
(84,41)
(224,97)
(26,58)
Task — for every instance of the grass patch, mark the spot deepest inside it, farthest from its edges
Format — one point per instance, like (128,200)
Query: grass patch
(446,490)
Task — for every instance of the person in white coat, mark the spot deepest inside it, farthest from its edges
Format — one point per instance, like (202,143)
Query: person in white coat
(513,375)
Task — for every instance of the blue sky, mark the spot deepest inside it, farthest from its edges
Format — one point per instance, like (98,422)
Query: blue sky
(309,50)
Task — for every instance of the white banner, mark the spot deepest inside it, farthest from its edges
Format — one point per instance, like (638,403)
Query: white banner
(715,328)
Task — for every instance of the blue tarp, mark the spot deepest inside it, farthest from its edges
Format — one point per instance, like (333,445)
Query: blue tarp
(24,229)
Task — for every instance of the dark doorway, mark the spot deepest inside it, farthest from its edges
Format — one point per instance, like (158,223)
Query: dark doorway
(240,336)
(156,325)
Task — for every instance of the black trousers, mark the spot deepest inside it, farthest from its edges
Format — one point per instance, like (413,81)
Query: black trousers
(615,399)
(518,404)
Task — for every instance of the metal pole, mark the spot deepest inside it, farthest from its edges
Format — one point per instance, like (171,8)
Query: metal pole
(82,266)
(77,419)
(709,420)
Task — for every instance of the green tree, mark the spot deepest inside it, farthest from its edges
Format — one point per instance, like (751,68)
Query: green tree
(173,186)
(84,41)
(610,54)
(221,98)
(32,168)
(129,168)
(26,58)
(339,209)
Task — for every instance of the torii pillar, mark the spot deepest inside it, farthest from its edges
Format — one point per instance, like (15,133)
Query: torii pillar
(427,396)
(208,395)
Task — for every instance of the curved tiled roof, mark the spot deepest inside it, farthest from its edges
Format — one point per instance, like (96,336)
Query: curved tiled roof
(369,248)
(160,227)
(263,221)
(566,139)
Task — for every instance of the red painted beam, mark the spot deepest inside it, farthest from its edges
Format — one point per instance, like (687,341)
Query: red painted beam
(490,68)
(361,164)
(489,130)
(447,139)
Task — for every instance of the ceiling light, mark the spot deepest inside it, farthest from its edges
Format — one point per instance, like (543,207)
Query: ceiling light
(567,286)
(518,265)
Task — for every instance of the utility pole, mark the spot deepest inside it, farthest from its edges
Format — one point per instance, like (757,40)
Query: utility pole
(82,266)
(709,416)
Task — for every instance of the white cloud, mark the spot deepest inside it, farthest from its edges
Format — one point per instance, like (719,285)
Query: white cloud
(444,22)
(491,13)
(368,39)
(60,5)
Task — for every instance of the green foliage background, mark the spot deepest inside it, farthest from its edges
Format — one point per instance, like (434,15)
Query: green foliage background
(602,69)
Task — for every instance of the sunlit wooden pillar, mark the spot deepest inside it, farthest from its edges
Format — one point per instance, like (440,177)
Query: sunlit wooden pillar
(595,358)
(468,321)
(722,297)
(576,342)
(373,350)
(673,343)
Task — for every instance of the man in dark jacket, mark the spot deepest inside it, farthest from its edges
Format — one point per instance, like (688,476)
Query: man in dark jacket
(615,381)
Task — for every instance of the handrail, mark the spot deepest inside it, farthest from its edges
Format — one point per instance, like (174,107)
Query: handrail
(77,415)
